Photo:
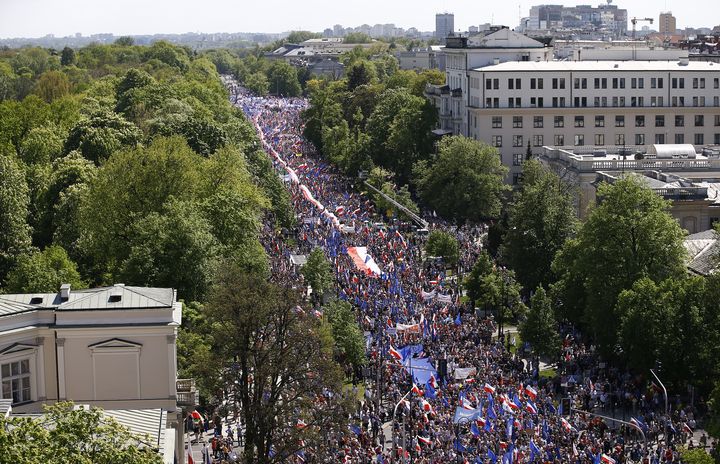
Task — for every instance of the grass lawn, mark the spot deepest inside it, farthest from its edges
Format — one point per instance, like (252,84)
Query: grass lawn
(549,373)
(360,390)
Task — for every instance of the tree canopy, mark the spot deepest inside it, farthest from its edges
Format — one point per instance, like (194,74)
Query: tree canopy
(465,182)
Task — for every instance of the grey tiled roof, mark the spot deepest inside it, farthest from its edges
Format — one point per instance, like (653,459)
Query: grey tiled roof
(150,422)
(703,252)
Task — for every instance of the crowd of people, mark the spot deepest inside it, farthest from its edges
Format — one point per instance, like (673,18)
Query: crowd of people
(441,388)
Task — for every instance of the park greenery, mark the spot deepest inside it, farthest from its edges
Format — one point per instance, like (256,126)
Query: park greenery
(65,433)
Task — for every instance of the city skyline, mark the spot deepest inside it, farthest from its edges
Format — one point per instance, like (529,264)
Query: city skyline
(273,16)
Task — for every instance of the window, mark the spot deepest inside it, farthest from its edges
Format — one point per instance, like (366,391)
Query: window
(579,121)
(699,139)
(716,83)
(537,122)
(580,83)
(678,83)
(717,139)
(559,121)
(536,102)
(517,140)
(699,120)
(656,83)
(497,122)
(518,159)
(660,138)
(619,121)
(620,139)
(16,381)
(497,140)
(514,84)
(660,121)
(488,84)
(679,138)
(516,178)
(717,119)
(517,122)
(558,102)
(558,83)
(639,139)
(599,121)
(679,120)
(639,121)
(537,140)
(536,83)
(579,140)
(514,102)
(599,139)
(559,140)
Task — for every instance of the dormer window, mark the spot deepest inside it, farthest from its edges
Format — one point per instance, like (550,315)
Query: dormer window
(36,300)
(115,297)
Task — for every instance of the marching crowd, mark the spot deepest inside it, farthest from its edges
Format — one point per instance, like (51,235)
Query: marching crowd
(450,390)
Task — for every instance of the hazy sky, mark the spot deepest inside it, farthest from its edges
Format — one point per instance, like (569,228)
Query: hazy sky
(34,18)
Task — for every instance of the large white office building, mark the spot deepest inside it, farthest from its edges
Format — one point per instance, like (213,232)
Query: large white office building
(632,104)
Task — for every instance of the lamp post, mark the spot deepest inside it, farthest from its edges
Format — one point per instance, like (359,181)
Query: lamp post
(667,412)
(393,421)
(645,447)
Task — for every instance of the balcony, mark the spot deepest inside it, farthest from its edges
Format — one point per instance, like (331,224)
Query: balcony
(187,395)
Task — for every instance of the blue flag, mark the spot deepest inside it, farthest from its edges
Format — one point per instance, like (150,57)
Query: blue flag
(509,427)
(492,456)
(430,391)
(474,429)
(534,450)
(459,446)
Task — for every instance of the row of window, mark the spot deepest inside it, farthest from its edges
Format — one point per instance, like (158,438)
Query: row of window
(598,140)
(603,102)
(16,381)
(538,122)
(601,83)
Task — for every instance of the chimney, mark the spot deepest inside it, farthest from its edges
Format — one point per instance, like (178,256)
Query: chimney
(684,61)
(64,292)
(496,61)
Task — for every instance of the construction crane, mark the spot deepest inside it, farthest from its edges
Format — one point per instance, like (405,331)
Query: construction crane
(634,21)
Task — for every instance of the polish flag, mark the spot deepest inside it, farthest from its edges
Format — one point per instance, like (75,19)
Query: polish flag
(686,428)
(300,424)
(395,353)
(607,459)
(432,381)
(424,441)
(416,390)
(467,404)
(566,425)
(480,422)
(425,419)
(417,448)
(531,408)
(489,388)
(531,392)
(340,210)
(190,459)
(470,380)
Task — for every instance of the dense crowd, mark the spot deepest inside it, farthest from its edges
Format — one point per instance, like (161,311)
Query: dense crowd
(450,390)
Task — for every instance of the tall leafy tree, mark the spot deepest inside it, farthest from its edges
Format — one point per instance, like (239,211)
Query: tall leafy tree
(465,182)
(44,271)
(52,85)
(317,272)
(482,267)
(67,56)
(277,363)
(540,328)
(347,334)
(629,235)
(541,218)
(283,79)
(98,136)
(441,243)
(14,202)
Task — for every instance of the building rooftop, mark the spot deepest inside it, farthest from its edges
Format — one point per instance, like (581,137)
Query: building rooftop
(637,66)
(118,296)
(703,252)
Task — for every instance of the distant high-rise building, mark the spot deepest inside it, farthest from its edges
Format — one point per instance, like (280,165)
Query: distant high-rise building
(338,31)
(667,23)
(473,29)
(605,17)
(444,26)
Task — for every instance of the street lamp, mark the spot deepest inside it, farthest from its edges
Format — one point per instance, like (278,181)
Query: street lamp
(667,412)
(636,427)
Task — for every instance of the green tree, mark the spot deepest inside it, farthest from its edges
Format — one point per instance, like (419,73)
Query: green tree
(275,362)
(98,136)
(68,434)
(175,248)
(348,336)
(283,79)
(442,244)
(257,83)
(125,41)
(14,203)
(317,272)
(465,182)
(629,235)
(52,85)
(357,38)
(541,218)
(67,57)
(359,73)
(482,267)
(713,418)
(540,328)
(695,456)
(43,271)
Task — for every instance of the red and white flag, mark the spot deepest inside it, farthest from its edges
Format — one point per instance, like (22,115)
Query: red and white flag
(489,388)
(395,353)
(607,459)
(424,441)
(531,392)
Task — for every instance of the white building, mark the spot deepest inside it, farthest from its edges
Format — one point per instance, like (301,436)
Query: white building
(111,347)
(579,103)
(463,54)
